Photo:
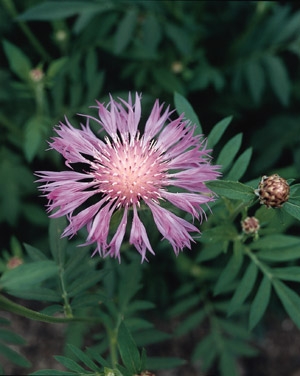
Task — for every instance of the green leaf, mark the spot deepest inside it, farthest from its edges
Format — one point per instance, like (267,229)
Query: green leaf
(255,77)
(93,354)
(183,106)
(57,244)
(128,350)
(243,289)
(240,165)
(81,284)
(18,61)
(206,351)
(9,337)
(229,272)
(277,247)
(184,305)
(34,253)
(229,151)
(13,356)
(25,276)
(288,273)
(240,348)
(84,358)
(260,302)
(52,372)
(69,363)
(292,207)
(191,322)
(125,30)
(159,363)
(179,37)
(151,32)
(231,189)
(278,77)
(51,11)
(217,132)
(170,82)
(289,299)
(227,364)
(34,129)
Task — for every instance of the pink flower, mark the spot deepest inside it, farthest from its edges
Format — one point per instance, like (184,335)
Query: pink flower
(127,171)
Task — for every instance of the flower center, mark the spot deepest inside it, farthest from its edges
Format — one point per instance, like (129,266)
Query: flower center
(130,171)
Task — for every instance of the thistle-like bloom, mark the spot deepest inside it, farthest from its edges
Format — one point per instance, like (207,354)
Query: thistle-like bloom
(125,171)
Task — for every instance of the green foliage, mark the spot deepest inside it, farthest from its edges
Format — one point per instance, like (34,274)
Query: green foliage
(234,66)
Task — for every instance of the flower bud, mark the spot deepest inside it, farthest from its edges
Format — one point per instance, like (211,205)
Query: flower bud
(273,191)
(250,225)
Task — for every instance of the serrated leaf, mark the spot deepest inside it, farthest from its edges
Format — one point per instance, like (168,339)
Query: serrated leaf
(260,302)
(18,61)
(183,106)
(289,299)
(243,289)
(229,151)
(278,77)
(217,132)
(128,350)
(125,30)
(240,165)
(27,275)
(231,189)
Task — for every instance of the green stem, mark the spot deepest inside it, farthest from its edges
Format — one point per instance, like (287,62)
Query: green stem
(67,306)
(7,305)
(264,268)
(10,7)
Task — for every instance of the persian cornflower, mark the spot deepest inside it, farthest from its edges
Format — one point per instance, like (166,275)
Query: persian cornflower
(126,170)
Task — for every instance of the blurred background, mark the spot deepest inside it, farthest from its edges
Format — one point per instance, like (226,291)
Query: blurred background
(238,58)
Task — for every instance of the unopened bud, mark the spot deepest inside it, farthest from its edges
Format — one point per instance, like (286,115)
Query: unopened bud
(250,225)
(36,74)
(14,262)
(273,191)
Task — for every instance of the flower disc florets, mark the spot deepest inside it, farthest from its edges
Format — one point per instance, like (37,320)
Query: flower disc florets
(125,169)
(273,191)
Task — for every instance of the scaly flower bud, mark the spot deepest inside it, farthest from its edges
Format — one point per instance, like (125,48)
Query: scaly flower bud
(273,191)
(250,225)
